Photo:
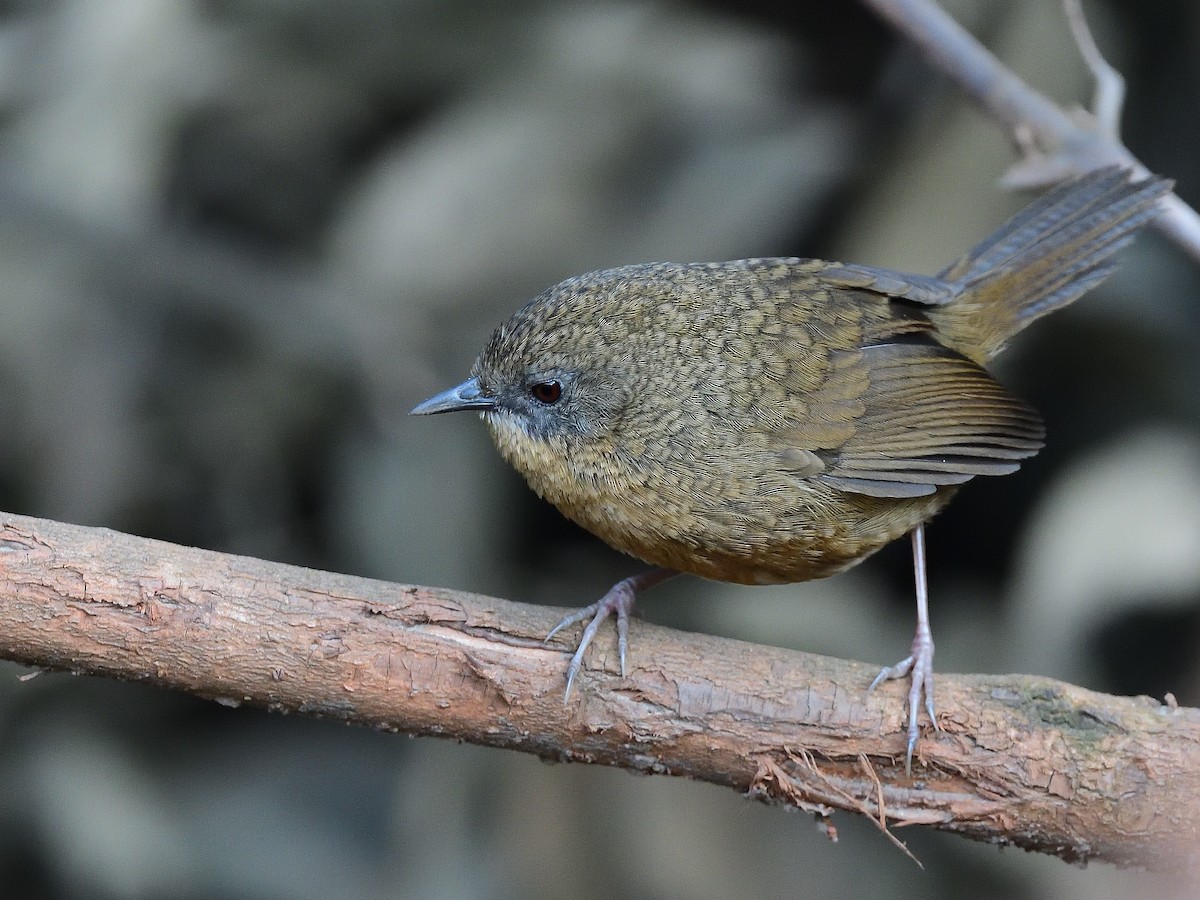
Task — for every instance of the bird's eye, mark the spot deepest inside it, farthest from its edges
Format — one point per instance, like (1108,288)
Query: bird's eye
(547,392)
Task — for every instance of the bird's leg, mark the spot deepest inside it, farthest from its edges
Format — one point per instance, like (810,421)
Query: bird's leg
(620,599)
(919,663)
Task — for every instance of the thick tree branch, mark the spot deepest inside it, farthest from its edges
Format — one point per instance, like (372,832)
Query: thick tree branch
(1020,760)
(1058,143)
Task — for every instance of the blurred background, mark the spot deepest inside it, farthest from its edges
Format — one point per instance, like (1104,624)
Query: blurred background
(238,241)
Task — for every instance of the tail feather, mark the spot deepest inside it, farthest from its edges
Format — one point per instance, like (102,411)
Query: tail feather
(1049,254)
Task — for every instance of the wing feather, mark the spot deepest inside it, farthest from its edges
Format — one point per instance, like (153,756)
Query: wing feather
(924,416)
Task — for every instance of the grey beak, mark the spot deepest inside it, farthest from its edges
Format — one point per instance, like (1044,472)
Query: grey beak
(467,395)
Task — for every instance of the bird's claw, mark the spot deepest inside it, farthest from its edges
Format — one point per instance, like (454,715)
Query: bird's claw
(620,600)
(919,666)
(567,621)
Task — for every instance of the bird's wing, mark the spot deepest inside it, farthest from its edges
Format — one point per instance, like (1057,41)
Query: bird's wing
(924,289)
(899,417)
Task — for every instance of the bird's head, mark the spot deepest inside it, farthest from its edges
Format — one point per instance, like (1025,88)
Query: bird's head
(559,377)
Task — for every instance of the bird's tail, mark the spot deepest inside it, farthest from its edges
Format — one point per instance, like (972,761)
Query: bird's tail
(1043,258)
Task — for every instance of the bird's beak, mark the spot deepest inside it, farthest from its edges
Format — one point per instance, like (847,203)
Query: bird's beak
(468,395)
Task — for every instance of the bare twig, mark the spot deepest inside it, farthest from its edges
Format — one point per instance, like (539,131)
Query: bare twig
(1109,97)
(1019,760)
(1062,144)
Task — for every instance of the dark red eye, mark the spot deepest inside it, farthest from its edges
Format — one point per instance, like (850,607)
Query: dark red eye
(547,392)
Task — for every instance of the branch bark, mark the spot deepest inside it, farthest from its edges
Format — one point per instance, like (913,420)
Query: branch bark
(1020,760)
(1058,143)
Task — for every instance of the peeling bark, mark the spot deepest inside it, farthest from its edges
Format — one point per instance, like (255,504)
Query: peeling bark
(1019,760)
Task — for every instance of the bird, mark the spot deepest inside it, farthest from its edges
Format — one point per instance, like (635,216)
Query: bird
(777,420)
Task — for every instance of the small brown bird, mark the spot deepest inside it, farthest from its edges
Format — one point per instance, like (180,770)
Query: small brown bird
(766,421)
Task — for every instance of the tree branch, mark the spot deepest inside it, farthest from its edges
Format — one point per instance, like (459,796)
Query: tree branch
(1019,760)
(1057,143)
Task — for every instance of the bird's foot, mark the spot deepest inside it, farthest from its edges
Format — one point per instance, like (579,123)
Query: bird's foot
(919,666)
(620,599)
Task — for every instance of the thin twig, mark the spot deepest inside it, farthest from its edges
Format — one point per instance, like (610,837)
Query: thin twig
(1067,145)
(1108,100)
